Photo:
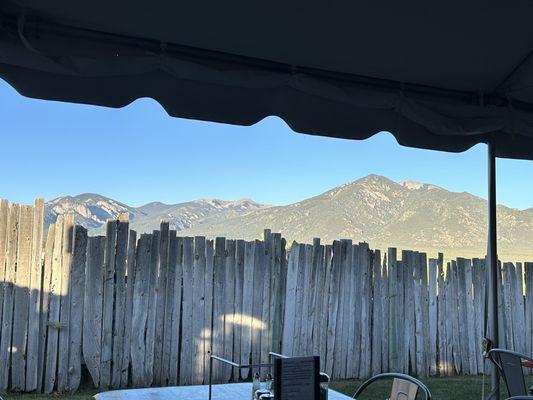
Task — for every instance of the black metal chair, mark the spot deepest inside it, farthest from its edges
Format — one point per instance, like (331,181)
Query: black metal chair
(404,387)
(509,364)
(519,398)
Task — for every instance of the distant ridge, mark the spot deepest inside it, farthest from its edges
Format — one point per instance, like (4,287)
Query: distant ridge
(375,209)
(93,210)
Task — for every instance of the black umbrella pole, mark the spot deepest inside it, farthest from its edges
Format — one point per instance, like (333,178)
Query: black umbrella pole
(492,258)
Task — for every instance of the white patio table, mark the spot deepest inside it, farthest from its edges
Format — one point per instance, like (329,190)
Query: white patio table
(231,391)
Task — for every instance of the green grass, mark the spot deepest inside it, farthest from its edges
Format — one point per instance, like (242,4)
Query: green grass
(82,394)
(452,388)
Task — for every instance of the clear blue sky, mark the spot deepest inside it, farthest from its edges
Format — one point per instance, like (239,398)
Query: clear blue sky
(138,154)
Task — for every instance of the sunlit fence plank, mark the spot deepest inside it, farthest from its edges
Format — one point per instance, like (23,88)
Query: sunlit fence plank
(77,279)
(121,253)
(36,268)
(54,309)
(92,309)
(140,311)
(160,294)
(21,299)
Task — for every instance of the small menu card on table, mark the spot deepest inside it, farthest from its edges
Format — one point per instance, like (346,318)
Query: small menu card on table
(297,378)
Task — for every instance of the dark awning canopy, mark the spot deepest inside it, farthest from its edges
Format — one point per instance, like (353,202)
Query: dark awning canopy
(439,74)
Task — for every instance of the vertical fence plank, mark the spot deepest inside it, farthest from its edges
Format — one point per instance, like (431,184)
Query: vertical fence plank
(365,314)
(140,311)
(208,314)
(130,280)
(339,352)
(45,301)
(456,318)
(107,312)
(238,315)
(266,332)
(121,254)
(357,274)
(4,223)
(64,315)
(169,303)
(324,298)
(187,313)
(377,314)
(229,296)
(276,292)
(433,315)
(247,306)
(21,299)
(519,309)
(306,319)
(218,306)
(309,299)
(198,310)
(418,313)
(4,234)
(153,297)
(316,302)
(528,266)
(32,352)
(501,308)
(346,254)
(425,309)
(449,318)
(92,308)
(77,287)
(160,294)
(479,300)
(290,300)
(470,318)
(441,317)
(385,315)
(410,326)
(333,306)
(507,300)
(257,307)
(394,359)
(54,309)
(8,287)
(299,296)
(176,262)
(403,352)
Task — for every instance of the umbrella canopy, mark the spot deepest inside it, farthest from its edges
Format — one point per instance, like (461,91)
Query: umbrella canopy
(441,75)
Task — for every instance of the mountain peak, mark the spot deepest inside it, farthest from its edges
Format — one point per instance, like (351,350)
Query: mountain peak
(374,178)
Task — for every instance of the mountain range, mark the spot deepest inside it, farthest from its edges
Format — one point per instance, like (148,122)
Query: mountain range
(375,209)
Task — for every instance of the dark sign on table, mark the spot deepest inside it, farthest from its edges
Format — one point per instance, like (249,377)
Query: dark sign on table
(297,378)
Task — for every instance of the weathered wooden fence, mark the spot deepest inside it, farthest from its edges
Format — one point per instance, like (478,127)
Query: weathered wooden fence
(149,310)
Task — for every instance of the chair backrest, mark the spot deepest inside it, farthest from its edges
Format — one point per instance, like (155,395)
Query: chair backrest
(403,390)
(404,387)
(509,364)
(519,398)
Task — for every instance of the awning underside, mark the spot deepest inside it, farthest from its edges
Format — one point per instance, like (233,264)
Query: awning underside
(349,69)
